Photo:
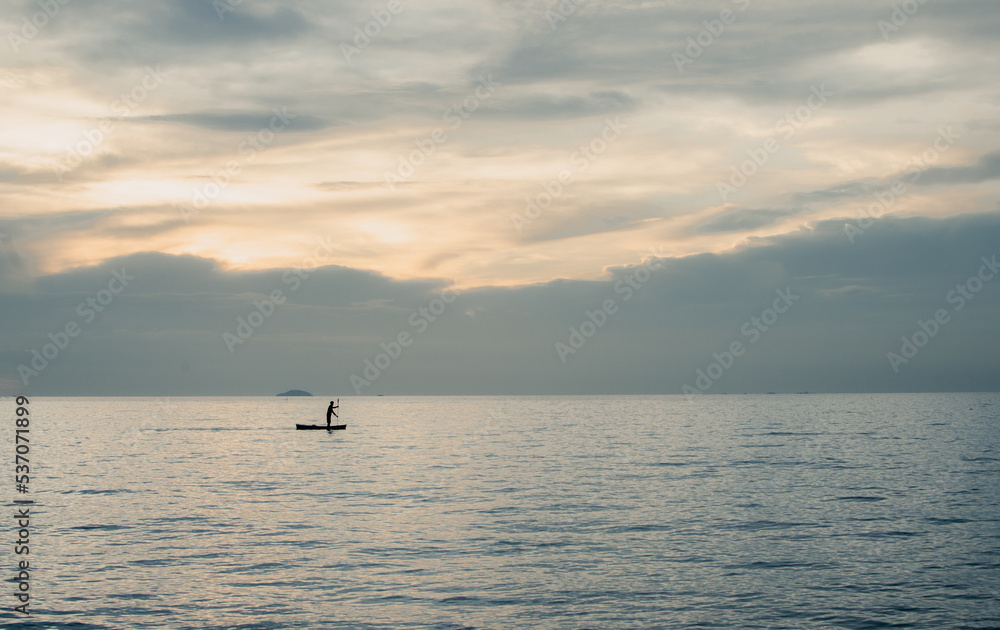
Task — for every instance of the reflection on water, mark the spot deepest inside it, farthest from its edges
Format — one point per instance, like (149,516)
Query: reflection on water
(542,512)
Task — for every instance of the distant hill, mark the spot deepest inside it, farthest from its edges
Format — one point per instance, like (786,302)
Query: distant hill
(295,392)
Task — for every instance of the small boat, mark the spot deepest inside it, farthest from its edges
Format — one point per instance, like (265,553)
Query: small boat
(332,427)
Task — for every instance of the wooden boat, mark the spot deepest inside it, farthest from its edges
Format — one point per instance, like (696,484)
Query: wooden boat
(332,427)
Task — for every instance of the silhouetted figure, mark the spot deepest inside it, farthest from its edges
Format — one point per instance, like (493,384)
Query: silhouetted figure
(330,412)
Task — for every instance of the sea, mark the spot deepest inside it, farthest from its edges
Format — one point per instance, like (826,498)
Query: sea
(561,512)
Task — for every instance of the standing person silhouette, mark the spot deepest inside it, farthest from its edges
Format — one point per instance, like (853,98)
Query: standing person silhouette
(330,412)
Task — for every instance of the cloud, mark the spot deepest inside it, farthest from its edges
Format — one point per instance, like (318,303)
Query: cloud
(744,219)
(179,29)
(237,121)
(986,168)
(163,334)
(359,118)
(541,106)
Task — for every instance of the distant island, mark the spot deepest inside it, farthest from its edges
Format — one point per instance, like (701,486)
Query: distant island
(295,392)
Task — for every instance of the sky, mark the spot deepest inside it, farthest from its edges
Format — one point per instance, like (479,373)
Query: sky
(498,197)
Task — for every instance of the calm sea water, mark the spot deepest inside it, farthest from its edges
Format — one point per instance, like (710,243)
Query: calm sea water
(809,511)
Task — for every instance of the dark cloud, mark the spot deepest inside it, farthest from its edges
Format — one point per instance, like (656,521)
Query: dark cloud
(988,167)
(743,219)
(759,58)
(548,106)
(239,121)
(588,217)
(33,228)
(14,176)
(175,30)
(855,303)
(838,192)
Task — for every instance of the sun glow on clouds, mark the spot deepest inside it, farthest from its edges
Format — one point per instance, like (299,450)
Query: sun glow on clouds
(325,176)
(384,232)
(915,57)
